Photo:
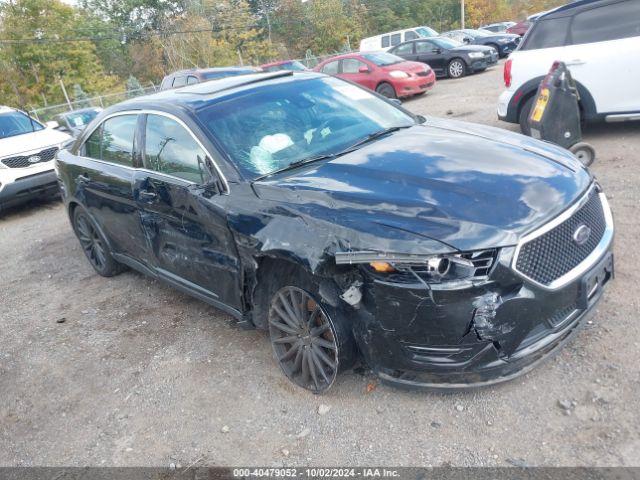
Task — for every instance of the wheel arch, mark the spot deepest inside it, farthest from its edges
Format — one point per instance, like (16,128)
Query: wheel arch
(586,103)
(272,267)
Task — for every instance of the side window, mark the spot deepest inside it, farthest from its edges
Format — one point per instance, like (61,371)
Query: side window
(547,34)
(410,35)
(385,41)
(424,47)
(171,149)
(92,145)
(191,80)
(331,68)
(117,139)
(610,22)
(405,49)
(351,65)
(396,38)
(179,82)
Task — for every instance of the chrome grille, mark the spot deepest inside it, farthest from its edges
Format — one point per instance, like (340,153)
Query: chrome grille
(551,255)
(22,161)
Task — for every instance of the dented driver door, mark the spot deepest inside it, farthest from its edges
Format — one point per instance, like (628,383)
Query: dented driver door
(184,221)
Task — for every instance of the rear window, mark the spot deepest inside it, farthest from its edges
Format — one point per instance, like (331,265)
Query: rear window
(610,22)
(410,35)
(547,34)
(179,82)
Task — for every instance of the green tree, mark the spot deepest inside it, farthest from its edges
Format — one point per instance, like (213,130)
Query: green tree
(80,97)
(134,88)
(42,62)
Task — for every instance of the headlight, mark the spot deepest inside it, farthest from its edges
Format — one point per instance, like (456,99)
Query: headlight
(398,74)
(426,268)
(476,55)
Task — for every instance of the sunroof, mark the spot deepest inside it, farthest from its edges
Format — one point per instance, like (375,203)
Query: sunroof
(215,86)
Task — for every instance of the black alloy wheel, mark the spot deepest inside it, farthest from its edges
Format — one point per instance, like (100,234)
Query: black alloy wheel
(95,248)
(303,339)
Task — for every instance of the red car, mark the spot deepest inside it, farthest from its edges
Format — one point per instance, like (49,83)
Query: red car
(387,74)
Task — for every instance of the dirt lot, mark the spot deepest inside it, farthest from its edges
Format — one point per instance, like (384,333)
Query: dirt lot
(139,374)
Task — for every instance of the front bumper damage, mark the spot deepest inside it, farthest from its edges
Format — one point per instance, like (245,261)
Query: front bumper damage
(472,334)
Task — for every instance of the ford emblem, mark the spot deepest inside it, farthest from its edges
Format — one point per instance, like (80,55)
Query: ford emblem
(581,235)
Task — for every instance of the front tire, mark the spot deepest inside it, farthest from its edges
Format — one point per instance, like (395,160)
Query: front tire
(386,90)
(94,245)
(457,68)
(310,339)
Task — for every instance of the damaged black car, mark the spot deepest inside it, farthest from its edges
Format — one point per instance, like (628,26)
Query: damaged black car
(441,254)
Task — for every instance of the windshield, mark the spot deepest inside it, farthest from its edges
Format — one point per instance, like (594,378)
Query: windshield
(476,33)
(446,43)
(80,119)
(426,32)
(383,59)
(274,125)
(17,123)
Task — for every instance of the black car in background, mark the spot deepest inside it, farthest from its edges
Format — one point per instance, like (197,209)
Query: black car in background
(441,253)
(75,121)
(504,43)
(197,75)
(447,57)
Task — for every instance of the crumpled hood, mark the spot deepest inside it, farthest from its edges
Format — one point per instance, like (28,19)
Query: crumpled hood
(31,142)
(464,185)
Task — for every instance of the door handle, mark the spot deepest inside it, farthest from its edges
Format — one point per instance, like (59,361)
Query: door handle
(83,178)
(575,61)
(147,195)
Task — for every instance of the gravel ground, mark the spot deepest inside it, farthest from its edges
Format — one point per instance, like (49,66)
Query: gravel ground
(137,373)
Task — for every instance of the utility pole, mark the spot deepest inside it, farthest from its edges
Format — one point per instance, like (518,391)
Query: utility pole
(64,90)
(461,13)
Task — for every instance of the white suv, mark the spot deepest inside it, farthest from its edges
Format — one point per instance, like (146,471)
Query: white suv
(599,40)
(27,149)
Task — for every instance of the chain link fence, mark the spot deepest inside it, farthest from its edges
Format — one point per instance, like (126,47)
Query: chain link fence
(48,113)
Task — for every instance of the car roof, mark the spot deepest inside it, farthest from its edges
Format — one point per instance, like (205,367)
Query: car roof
(573,7)
(196,96)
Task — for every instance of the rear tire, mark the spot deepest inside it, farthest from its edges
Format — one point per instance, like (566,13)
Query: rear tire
(457,68)
(94,245)
(386,90)
(311,340)
(523,117)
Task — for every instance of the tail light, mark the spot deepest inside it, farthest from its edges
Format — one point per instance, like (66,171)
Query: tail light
(507,73)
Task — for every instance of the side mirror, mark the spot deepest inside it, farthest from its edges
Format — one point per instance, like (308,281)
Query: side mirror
(466,40)
(363,70)
(53,124)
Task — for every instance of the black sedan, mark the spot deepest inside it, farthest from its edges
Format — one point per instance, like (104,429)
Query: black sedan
(440,253)
(504,43)
(447,57)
